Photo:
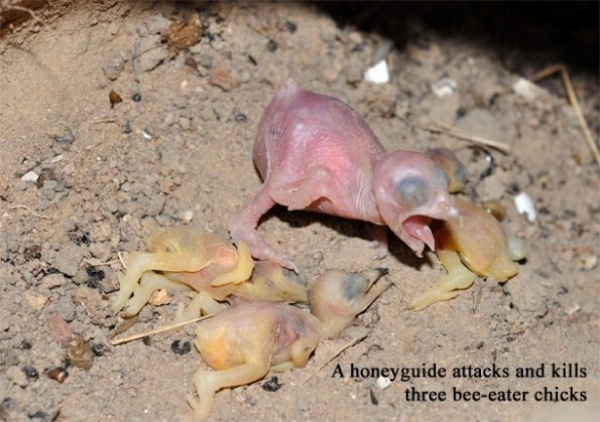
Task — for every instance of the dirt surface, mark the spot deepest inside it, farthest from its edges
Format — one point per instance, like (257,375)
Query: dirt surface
(82,180)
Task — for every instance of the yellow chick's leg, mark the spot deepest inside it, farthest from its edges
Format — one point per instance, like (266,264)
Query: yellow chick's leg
(459,277)
(209,382)
(149,283)
(201,304)
(241,272)
(283,366)
(140,262)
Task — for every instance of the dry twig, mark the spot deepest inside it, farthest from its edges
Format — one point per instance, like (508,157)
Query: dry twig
(335,355)
(32,212)
(437,127)
(574,103)
(159,330)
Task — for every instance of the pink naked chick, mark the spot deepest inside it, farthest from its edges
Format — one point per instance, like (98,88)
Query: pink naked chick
(316,153)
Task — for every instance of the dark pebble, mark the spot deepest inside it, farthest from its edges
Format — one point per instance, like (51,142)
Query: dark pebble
(181,348)
(79,237)
(373,398)
(137,97)
(127,128)
(99,349)
(32,252)
(38,415)
(49,270)
(94,277)
(25,345)
(8,404)
(45,174)
(241,118)
(94,273)
(291,27)
(271,46)
(272,385)
(30,372)
(68,137)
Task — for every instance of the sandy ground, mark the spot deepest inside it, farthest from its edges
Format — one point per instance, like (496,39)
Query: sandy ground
(81,180)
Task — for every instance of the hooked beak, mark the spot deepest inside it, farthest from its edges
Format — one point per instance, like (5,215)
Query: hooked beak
(415,230)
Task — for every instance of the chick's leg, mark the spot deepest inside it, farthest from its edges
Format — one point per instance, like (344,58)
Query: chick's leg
(380,241)
(201,304)
(149,283)
(209,382)
(140,262)
(459,277)
(241,272)
(244,226)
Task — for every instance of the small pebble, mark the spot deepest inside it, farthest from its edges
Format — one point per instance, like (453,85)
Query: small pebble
(36,301)
(589,262)
(373,397)
(378,74)
(80,353)
(272,385)
(181,348)
(58,374)
(186,216)
(527,89)
(32,252)
(46,175)
(114,98)
(94,273)
(30,372)
(113,65)
(524,205)
(67,137)
(291,27)
(38,414)
(137,97)
(146,135)
(572,309)
(271,46)
(127,128)
(383,382)
(225,78)
(99,349)
(30,176)
(25,345)
(444,87)
(7,404)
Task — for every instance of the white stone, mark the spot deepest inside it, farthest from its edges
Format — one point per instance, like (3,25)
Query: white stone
(378,74)
(444,87)
(525,206)
(527,89)
(30,176)
(384,382)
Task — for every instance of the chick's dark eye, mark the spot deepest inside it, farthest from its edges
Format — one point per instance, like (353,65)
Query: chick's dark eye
(354,287)
(413,191)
